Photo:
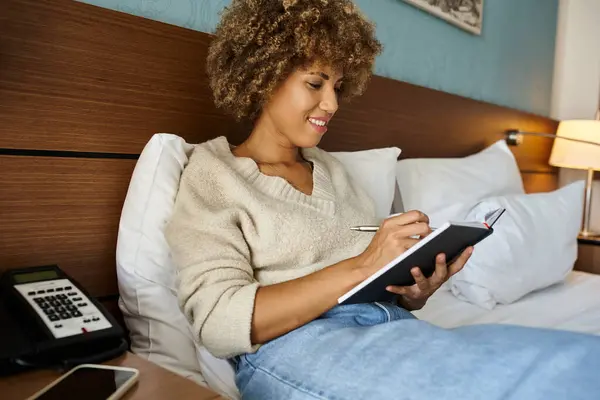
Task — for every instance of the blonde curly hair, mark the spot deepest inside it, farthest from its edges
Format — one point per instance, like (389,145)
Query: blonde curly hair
(259,43)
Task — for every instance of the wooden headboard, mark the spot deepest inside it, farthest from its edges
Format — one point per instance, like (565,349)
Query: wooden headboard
(82,89)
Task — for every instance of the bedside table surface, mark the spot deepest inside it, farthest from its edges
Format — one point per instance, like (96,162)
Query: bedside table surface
(154,382)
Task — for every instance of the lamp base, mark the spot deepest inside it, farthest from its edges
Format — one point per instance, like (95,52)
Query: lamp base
(589,235)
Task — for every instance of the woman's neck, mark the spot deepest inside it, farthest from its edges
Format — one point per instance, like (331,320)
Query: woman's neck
(268,146)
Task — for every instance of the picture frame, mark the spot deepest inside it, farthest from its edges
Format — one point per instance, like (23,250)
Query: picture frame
(465,14)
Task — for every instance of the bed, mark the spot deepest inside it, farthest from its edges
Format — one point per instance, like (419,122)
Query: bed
(84,89)
(571,305)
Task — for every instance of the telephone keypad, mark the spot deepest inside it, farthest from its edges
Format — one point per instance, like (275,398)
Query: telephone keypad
(62,307)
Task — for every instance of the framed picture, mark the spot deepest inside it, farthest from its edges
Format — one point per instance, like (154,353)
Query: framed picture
(466,14)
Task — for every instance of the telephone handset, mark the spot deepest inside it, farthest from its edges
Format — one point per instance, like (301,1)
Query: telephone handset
(48,319)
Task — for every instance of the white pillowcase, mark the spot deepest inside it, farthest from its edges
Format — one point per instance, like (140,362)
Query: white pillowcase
(534,245)
(374,171)
(445,188)
(158,329)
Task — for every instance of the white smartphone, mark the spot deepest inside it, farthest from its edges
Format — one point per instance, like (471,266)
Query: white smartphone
(90,382)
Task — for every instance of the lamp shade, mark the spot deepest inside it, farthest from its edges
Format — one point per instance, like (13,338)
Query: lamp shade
(569,154)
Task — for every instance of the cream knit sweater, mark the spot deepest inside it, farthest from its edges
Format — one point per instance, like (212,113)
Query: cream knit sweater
(235,229)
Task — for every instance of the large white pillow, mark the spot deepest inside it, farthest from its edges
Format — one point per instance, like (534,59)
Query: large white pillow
(534,245)
(445,188)
(145,272)
(158,330)
(374,171)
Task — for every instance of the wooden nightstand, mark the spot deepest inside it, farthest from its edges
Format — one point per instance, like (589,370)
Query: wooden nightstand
(154,382)
(588,259)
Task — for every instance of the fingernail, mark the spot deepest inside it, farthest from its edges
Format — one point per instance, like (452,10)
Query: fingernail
(441,258)
(470,251)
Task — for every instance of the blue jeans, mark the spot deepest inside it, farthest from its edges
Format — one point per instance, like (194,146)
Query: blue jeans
(380,351)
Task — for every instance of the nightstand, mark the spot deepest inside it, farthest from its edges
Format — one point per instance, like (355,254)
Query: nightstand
(154,382)
(588,259)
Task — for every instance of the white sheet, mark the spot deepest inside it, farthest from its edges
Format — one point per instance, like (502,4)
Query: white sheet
(571,305)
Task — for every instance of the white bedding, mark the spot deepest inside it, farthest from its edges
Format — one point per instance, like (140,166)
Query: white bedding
(572,305)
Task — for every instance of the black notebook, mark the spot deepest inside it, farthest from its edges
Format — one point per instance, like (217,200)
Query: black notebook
(452,239)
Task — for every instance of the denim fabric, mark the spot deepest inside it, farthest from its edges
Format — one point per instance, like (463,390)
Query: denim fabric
(380,351)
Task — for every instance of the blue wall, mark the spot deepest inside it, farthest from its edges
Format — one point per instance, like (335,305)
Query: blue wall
(510,64)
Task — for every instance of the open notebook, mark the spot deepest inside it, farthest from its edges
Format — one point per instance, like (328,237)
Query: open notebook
(452,238)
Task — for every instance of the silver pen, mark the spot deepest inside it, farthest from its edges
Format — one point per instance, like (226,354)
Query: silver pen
(365,228)
(369,228)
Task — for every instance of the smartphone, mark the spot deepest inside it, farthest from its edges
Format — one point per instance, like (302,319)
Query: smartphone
(90,382)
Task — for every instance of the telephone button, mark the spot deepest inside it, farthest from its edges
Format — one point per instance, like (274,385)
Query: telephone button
(41,291)
(81,304)
(61,296)
(50,298)
(65,315)
(30,293)
(76,313)
(58,326)
(59,289)
(43,305)
(68,287)
(71,307)
(50,290)
(38,299)
(49,311)
(71,293)
(77,299)
(85,321)
(55,303)
(61,309)
(95,319)
(53,317)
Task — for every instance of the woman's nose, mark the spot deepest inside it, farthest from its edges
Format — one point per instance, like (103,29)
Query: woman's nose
(329,102)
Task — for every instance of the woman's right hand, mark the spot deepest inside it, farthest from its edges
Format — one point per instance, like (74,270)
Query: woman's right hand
(395,236)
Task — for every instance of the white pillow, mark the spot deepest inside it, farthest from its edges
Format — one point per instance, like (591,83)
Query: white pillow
(444,188)
(145,272)
(374,171)
(158,330)
(534,245)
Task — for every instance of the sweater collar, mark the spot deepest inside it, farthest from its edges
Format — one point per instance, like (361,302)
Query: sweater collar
(323,194)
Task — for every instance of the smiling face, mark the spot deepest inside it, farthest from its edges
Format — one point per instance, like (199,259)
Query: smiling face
(303,105)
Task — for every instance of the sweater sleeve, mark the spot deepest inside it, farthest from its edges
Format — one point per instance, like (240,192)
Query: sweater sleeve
(216,285)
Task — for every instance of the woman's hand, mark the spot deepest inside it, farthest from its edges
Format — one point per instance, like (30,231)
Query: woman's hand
(414,297)
(395,235)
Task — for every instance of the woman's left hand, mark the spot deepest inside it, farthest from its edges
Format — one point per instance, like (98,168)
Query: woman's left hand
(414,297)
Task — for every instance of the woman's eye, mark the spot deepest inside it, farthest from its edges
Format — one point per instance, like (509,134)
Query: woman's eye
(314,85)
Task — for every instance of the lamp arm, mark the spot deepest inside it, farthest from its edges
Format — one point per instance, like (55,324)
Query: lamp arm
(514,137)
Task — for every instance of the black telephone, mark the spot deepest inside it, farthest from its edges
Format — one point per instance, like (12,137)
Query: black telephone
(48,320)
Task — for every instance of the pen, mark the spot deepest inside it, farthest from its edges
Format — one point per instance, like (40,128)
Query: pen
(369,228)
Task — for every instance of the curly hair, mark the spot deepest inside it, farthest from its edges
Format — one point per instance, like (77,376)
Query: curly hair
(259,43)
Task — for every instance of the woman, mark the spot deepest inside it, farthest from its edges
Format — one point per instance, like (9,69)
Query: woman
(260,236)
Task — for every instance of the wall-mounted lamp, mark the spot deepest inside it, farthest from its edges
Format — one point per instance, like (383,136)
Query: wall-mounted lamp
(579,148)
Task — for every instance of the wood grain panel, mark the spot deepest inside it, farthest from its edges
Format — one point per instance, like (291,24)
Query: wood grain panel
(63,211)
(539,182)
(80,77)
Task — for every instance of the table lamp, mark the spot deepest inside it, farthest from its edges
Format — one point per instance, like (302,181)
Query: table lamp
(579,155)
(576,145)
